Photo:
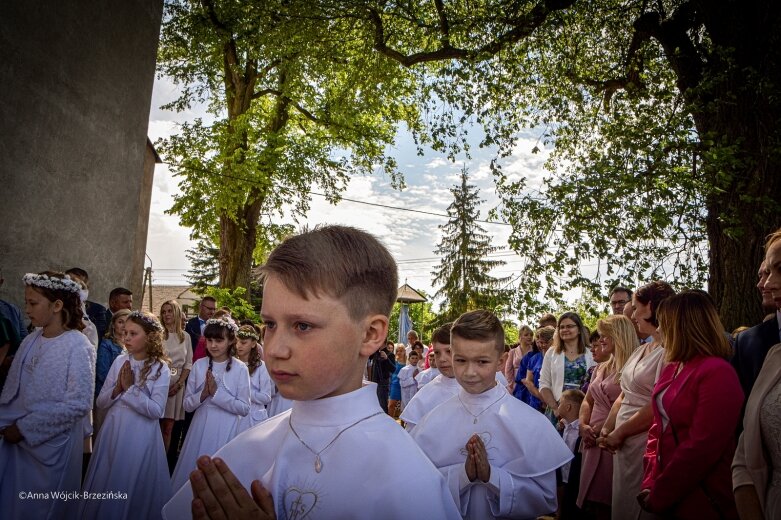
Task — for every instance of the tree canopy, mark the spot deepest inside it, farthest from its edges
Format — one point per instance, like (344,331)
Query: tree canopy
(464,272)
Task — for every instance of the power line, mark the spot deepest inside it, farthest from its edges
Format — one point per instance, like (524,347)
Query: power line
(376,204)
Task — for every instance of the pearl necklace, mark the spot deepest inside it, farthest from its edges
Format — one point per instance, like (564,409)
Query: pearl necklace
(318,461)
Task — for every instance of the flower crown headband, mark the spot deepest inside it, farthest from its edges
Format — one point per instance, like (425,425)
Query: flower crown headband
(146,319)
(224,322)
(52,282)
(247,334)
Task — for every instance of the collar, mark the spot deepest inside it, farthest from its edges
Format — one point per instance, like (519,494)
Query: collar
(338,410)
(447,382)
(484,399)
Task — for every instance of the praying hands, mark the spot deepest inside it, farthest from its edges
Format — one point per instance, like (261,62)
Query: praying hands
(476,465)
(218,494)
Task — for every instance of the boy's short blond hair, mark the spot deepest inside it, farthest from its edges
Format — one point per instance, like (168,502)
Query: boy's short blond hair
(480,325)
(340,261)
(573,396)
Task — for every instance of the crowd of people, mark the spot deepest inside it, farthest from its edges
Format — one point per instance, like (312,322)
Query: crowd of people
(657,413)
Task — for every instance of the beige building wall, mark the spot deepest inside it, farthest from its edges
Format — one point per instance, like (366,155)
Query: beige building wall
(75,168)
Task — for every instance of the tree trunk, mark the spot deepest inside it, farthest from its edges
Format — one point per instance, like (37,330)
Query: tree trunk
(236,248)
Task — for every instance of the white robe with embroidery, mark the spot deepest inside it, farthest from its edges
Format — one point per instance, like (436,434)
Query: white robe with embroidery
(129,454)
(47,394)
(523,450)
(436,392)
(358,468)
(261,390)
(216,419)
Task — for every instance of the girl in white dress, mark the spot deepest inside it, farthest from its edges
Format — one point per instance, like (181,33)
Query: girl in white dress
(44,401)
(218,391)
(261,386)
(179,349)
(129,462)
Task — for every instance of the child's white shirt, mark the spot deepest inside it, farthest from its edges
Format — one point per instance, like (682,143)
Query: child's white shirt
(523,447)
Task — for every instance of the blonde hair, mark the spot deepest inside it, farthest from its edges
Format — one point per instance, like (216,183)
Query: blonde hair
(154,345)
(400,352)
(690,326)
(573,395)
(622,331)
(772,238)
(178,320)
(121,313)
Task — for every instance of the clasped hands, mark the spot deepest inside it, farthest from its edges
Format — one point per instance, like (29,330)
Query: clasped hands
(476,465)
(210,387)
(218,494)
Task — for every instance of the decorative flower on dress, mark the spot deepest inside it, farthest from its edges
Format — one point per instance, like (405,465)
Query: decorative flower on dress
(52,282)
(152,322)
(226,322)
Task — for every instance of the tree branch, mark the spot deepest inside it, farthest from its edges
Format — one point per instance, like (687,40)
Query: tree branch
(522,27)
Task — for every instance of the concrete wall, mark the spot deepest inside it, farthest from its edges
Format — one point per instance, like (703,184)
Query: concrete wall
(75,91)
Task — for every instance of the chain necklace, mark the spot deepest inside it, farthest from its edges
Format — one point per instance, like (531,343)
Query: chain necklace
(484,410)
(318,461)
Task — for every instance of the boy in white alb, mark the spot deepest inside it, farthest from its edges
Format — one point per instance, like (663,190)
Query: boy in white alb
(430,373)
(407,381)
(499,455)
(327,295)
(440,389)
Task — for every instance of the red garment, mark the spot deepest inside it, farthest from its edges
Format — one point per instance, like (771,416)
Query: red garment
(200,349)
(691,477)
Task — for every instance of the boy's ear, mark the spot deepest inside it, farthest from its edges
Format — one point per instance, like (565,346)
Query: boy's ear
(375,334)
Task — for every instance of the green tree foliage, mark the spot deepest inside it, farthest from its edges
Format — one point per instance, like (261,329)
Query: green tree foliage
(295,102)
(424,320)
(463,275)
(663,117)
(236,301)
(204,266)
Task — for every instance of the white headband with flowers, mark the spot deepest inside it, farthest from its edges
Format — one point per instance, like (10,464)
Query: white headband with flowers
(226,322)
(146,319)
(52,282)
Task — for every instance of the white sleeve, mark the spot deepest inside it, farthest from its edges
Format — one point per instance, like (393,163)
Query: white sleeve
(195,383)
(233,394)
(262,394)
(150,402)
(509,496)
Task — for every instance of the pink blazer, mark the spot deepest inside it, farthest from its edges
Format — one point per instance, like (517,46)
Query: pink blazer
(690,477)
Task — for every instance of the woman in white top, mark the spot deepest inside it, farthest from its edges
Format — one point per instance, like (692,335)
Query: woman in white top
(566,364)
(180,351)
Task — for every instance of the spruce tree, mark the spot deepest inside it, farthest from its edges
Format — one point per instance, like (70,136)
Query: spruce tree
(463,275)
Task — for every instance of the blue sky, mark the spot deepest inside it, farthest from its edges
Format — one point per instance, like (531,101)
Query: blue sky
(411,237)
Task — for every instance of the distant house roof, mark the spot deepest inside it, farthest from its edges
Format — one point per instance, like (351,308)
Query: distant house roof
(183,294)
(407,294)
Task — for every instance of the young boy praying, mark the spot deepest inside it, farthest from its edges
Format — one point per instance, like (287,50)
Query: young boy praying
(499,456)
(327,295)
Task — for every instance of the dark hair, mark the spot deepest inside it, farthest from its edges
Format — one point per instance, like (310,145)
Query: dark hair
(547,318)
(442,334)
(558,345)
(480,325)
(418,344)
(72,315)
(652,294)
(119,291)
(621,288)
(208,298)
(78,271)
(217,331)
(593,337)
(343,262)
